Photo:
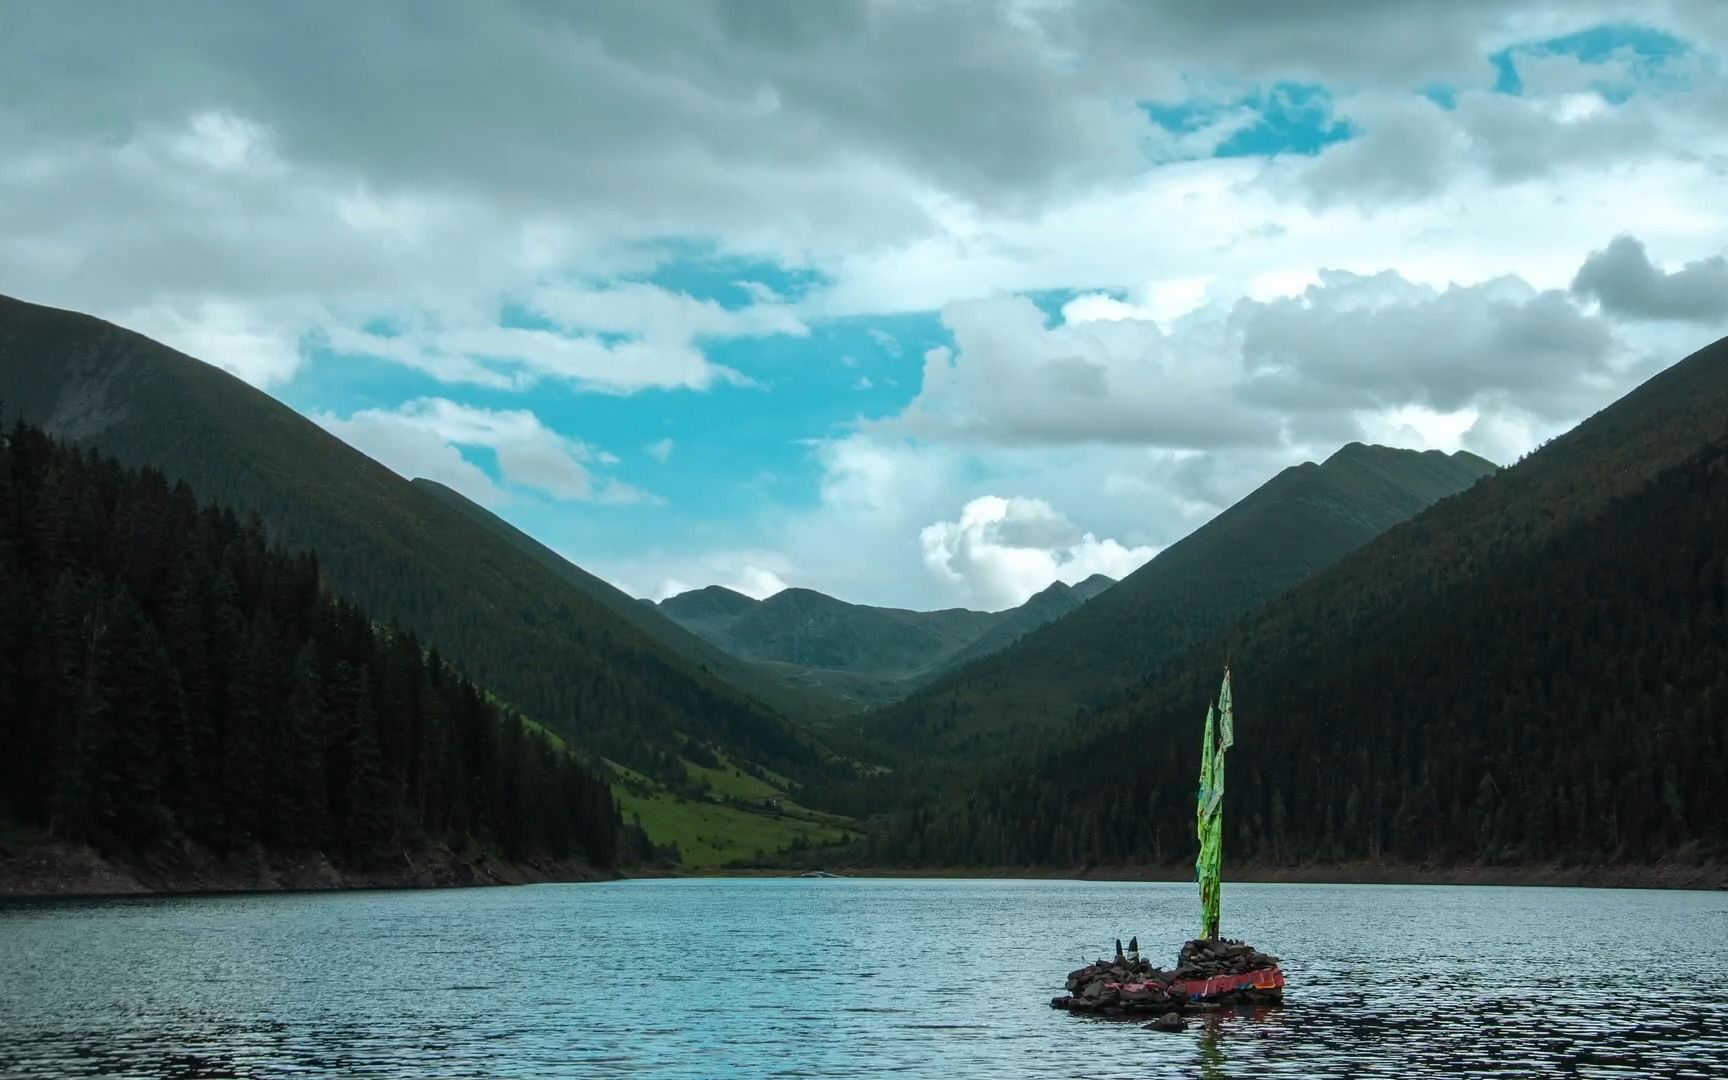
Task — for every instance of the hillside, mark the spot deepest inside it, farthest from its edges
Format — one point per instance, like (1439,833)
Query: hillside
(172,688)
(520,628)
(1534,670)
(863,654)
(1296,524)
(1052,603)
(666,632)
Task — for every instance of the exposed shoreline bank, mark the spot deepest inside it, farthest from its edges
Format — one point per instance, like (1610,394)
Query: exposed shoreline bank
(1663,875)
(51,869)
(48,869)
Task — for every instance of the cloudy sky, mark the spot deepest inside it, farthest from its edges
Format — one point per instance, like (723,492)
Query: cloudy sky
(917,303)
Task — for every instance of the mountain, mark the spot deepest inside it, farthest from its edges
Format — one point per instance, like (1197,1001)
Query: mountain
(713,605)
(1055,601)
(668,633)
(171,687)
(541,637)
(861,653)
(1533,671)
(1294,525)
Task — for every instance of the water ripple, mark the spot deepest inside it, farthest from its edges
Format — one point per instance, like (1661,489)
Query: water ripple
(792,978)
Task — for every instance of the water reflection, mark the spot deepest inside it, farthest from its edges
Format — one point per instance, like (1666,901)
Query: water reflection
(853,978)
(1211,1050)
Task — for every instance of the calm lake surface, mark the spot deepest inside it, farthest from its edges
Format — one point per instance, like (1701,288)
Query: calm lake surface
(791,977)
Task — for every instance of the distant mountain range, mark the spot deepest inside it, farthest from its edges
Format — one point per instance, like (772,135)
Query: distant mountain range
(864,654)
(1291,527)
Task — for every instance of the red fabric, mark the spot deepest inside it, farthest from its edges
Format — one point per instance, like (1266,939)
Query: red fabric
(1264,979)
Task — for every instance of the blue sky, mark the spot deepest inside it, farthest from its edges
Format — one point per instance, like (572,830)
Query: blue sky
(696,314)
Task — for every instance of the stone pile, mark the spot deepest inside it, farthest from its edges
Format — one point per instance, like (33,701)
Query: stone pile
(1209,959)
(1132,986)
(1129,988)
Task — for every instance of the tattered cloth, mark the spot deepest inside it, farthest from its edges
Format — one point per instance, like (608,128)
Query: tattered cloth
(1206,971)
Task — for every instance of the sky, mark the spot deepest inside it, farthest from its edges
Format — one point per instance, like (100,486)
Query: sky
(915,303)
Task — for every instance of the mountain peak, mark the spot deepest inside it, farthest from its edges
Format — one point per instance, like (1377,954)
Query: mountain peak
(710,601)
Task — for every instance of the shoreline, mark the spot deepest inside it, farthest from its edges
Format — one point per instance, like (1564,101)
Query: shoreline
(54,870)
(1705,877)
(49,870)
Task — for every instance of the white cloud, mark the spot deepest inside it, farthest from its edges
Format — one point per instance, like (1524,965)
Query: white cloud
(257,345)
(755,573)
(1002,550)
(660,450)
(424,437)
(885,341)
(653,312)
(414,450)
(469,348)
(1259,373)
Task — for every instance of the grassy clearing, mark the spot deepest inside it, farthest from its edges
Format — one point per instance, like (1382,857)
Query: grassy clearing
(742,816)
(712,834)
(731,782)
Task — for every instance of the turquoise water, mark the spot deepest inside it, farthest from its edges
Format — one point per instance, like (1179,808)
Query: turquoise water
(833,978)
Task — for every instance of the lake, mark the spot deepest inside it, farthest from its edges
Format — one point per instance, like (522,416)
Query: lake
(778,977)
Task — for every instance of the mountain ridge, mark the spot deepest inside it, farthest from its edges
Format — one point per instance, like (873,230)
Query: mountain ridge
(1298,522)
(559,655)
(861,651)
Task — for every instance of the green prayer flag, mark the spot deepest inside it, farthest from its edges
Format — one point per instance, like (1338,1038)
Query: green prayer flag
(1209,809)
(1226,716)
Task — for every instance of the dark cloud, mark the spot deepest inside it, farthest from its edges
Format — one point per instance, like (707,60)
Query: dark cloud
(648,106)
(1364,343)
(1623,280)
(1358,42)
(683,112)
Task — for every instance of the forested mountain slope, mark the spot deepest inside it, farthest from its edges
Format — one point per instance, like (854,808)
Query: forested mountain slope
(792,701)
(1534,670)
(405,554)
(1055,601)
(167,676)
(1296,524)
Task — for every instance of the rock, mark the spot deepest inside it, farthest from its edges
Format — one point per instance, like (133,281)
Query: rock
(1170,1021)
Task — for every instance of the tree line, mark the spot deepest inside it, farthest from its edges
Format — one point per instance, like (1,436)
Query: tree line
(166,674)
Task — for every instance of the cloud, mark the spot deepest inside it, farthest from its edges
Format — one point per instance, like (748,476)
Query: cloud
(1257,373)
(1002,550)
(1407,150)
(414,449)
(213,181)
(480,352)
(1379,342)
(424,437)
(1628,285)
(533,199)
(1011,378)
(753,572)
(885,341)
(660,450)
(258,346)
